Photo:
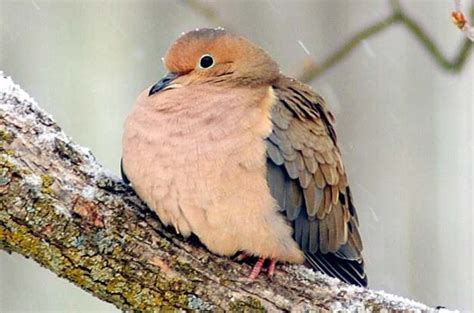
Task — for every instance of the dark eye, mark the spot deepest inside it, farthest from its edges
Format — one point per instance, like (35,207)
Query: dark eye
(206,61)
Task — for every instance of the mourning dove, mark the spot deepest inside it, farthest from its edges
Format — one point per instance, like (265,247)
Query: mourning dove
(229,149)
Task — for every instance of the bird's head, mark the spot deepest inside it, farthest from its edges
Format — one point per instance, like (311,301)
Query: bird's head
(212,55)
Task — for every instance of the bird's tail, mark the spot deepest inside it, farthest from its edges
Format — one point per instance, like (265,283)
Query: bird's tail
(339,266)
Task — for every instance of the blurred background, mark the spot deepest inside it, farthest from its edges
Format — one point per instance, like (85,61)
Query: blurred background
(405,124)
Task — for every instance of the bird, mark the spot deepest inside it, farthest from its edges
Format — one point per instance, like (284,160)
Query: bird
(229,149)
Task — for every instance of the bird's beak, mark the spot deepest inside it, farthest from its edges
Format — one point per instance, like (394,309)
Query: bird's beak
(163,83)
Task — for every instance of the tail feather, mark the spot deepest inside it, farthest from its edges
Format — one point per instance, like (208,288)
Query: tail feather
(350,271)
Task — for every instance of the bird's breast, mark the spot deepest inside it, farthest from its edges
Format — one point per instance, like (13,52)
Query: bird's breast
(198,124)
(188,149)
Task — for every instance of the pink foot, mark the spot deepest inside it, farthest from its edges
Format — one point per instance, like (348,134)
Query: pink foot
(257,268)
(271,267)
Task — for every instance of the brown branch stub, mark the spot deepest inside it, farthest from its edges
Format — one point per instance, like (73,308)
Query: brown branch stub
(459,19)
(62,209)
(462,22)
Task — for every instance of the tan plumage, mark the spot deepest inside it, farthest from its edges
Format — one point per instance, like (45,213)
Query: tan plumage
(218,151)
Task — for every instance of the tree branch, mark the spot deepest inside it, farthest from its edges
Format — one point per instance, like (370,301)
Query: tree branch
(398,16)
(314,70)
(59,207)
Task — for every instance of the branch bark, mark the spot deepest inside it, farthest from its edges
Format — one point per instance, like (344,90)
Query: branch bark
(59,207)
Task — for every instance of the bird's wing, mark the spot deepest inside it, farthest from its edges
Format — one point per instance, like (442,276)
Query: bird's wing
(307,178)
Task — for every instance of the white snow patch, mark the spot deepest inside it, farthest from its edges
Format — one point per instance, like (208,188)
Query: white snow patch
(33,181)
(19,104)
(9,91)
(95,170)
(405,301)
(338,286)
(316,276)
(47,138)
(13,91)
(7,86)
(89,192)
(445,310)
(86,151)
(62,210)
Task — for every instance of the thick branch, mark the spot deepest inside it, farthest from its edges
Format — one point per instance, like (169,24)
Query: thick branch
(59,207)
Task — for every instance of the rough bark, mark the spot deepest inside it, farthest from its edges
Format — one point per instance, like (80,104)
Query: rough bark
(59,207)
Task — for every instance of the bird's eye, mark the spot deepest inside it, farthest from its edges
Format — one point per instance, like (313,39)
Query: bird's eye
(206,61)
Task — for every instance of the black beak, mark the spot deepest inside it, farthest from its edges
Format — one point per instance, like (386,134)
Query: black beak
(162,83)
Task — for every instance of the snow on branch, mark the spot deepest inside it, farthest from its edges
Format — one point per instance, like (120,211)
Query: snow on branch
(62,209)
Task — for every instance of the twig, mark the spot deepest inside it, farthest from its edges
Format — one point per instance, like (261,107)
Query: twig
(312,70)
(398,15)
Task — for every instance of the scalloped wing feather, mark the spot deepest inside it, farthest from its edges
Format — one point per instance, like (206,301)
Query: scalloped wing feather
(307,178)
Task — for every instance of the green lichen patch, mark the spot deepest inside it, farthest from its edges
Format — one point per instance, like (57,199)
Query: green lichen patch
(195,303)
(46,182)
(42,204)
(247,304)
(6,136)
(91,273)
(4,177)
(5,162)
(142,299)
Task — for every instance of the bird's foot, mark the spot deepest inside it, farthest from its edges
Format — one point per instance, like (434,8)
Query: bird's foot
(257,268)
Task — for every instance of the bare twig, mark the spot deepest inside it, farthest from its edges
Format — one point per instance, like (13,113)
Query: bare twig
(312,70)
(398,15)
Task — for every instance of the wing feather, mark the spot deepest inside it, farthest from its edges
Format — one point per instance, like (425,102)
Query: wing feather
(307,178)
